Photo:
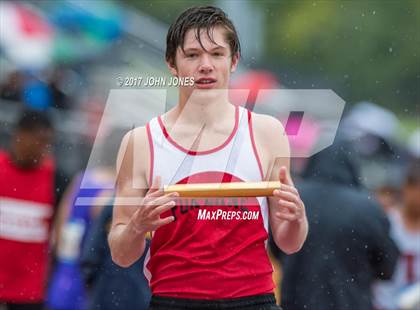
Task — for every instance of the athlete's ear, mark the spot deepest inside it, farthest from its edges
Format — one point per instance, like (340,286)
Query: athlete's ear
(172,68)
(235,61)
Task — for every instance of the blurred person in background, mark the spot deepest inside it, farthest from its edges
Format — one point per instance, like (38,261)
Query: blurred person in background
(57,79)
(405,229)
(66,289)
(373,131)
(40,89)
(36,93)
(11,86)
(30,186)
(111,286)
(388,194)
(348,246)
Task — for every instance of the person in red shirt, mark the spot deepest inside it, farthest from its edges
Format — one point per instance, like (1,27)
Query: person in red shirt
(27,197)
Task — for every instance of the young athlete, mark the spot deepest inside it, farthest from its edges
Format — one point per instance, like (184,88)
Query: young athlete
(198,261)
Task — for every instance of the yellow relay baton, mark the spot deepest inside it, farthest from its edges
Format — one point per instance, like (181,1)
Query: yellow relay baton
(234,189)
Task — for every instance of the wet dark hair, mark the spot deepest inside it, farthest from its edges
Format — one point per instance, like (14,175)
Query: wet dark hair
(200,18)
(33,120)
(413,172)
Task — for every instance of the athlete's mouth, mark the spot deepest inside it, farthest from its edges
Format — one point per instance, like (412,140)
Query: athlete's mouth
(205,82)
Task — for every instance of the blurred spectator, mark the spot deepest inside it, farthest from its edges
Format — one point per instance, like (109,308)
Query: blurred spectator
(63,85)
(59,98)
(11,87)
(413,143)
(348,245)
(28,194)
(373,131)
(405,229)
(30,88)
(388,196)
(113,287)
(66,291)
(36,93)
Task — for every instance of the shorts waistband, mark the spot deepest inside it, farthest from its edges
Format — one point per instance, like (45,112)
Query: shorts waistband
(229,303)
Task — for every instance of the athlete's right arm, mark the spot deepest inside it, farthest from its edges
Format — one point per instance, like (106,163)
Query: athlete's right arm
(136,209)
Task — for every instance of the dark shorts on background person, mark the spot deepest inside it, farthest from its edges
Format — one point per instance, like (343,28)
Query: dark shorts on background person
(260,302)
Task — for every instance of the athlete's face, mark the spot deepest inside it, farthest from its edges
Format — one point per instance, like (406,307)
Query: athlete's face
(210,66)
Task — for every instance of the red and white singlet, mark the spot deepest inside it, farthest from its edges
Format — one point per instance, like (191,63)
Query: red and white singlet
(201,255)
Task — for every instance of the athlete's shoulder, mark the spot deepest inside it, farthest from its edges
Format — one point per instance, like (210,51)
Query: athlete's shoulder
(266,123)
(137,134)
(133,144)
(268,127)
(271,133)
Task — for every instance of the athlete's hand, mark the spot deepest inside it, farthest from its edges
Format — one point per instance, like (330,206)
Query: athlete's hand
(147,217)
(289,206)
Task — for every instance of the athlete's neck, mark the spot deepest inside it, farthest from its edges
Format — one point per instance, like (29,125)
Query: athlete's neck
(202,108)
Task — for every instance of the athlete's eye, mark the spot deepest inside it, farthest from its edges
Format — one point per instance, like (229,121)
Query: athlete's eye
(192,55)
(217,54)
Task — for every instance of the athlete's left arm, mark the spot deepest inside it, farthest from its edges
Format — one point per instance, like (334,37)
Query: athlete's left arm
(287,216)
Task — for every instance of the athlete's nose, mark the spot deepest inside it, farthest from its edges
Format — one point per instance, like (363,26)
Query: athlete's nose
(206,65)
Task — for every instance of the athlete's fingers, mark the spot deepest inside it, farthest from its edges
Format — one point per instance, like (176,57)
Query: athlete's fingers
(288,188)
(287,196)
(288,205)
(160,209)
(155,193)
(156,202)
(164,221)
(286,216)
(150,199)
(146,219)
(284,176)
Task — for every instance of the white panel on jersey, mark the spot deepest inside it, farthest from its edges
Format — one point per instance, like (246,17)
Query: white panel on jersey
(22,220)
